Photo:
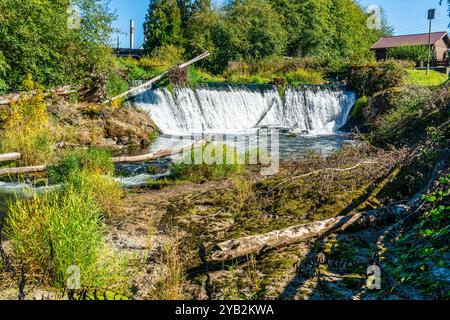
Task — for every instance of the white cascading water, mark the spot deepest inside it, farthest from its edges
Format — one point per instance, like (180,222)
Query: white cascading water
(232,109)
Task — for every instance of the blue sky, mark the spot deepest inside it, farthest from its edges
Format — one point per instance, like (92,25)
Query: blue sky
(407,16)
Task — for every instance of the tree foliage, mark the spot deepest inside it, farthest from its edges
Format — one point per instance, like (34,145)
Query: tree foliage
(411,53)
(163,25)
(36,39)
(251,30)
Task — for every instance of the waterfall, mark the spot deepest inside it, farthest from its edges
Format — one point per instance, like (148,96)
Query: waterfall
(239,109)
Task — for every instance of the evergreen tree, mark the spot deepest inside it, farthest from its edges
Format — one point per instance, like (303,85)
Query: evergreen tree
(163,25)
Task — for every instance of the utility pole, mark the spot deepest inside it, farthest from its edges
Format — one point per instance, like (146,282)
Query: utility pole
(131,34)
(431,15)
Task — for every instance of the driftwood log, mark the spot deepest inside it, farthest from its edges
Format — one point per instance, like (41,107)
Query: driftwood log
(10,156)
(260,243)
(23,170)
(156,79)
(146,157)
(160,154)
(233,249)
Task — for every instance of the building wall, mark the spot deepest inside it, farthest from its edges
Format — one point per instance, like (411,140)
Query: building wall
(441,50)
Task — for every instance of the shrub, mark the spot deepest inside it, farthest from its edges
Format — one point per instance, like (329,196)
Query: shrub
(196,165)
(369,79)
(411,53)
(302,76)
(165,56)
(26,129)
(413,111)
(95,161)
(198,76)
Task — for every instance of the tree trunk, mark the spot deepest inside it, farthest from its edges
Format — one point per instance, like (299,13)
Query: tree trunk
(152,81)
(23,170)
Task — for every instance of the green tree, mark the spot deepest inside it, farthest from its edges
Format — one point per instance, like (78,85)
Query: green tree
(3,73)
(163,25)
(252,30)
(202,32)
(350,38)
(37,40)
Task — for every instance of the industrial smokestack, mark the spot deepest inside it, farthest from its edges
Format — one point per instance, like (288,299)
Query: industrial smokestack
(131,34)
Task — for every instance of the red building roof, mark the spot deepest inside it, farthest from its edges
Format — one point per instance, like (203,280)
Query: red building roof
(409,40)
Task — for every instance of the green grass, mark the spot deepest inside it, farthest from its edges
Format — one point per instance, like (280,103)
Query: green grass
(301,76)
(419,77)
(56,230)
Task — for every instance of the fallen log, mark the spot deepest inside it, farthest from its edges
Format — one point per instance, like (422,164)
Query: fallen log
(159,154)
(146,157)
(156,79)
(10,156)
(233,249)
(22,170)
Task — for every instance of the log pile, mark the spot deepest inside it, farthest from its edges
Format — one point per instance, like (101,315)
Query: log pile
(60,91)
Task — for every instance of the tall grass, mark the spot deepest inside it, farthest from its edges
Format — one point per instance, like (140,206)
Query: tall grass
(56,230)
(171,285)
